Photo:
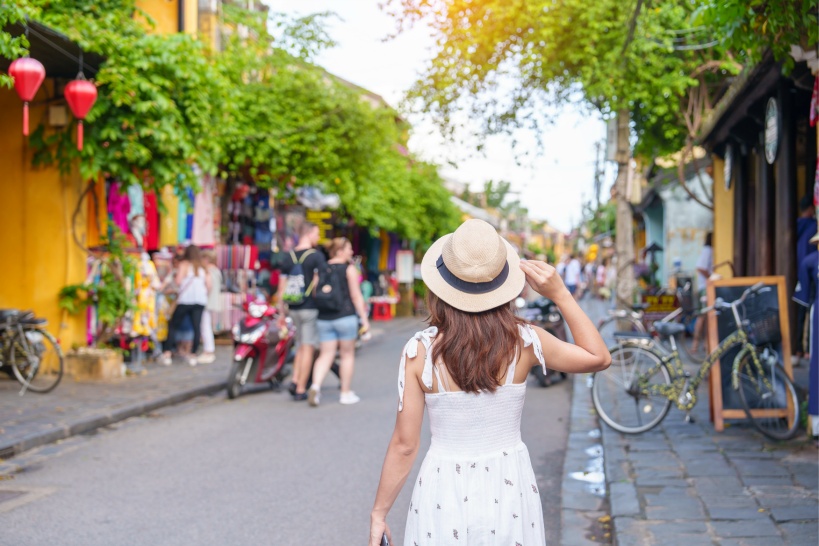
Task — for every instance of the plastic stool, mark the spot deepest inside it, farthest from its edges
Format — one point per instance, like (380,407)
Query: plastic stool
(382,311)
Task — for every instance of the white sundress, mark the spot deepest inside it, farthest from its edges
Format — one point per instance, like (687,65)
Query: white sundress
(476,485)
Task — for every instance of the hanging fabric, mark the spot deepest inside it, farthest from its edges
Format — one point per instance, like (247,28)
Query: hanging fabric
(97,215)
(182,218)
(203,214)
(168,233)
(119,206)
(151,221)
(384,257)
(189,216)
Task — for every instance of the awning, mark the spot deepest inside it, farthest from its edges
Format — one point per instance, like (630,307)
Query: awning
(59,55)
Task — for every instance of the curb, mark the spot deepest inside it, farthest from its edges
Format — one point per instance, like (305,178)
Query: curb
(91,423)
(585,517)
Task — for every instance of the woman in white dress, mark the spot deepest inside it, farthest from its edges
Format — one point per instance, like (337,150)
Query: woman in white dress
(476,485)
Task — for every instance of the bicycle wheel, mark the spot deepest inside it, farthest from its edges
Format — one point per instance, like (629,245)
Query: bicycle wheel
(625,397)
(37,361)
(768,397)
(609,325)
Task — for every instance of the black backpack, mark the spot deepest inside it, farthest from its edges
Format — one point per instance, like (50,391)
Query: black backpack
(296,287)
(330,294)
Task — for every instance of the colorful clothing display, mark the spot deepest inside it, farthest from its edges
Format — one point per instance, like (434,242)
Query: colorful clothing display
(151,221)
(168,233)
(202,232)
(119,206)
(384,256)
(136,200)
(237,257)
(145,320)
(97,215)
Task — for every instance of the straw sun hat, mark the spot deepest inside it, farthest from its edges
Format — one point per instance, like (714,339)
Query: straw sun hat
(473,269)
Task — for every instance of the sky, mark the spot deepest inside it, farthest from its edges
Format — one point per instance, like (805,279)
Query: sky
(552,183)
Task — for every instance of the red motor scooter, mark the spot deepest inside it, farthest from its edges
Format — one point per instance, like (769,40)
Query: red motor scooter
(262,352)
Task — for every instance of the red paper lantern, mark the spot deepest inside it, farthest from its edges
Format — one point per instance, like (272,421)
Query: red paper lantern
(28,75)
(80,95)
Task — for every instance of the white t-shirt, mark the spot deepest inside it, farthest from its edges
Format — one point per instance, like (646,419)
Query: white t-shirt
(573,271)
(705,262)
(561,269)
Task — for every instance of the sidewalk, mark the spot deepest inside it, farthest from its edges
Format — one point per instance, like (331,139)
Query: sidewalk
(75,408)
(685,483)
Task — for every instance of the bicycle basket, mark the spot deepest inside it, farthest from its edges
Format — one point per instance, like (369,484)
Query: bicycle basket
(763,327)
(687,301)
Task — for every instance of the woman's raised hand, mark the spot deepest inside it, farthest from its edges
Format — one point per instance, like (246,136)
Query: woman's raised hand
(543,279)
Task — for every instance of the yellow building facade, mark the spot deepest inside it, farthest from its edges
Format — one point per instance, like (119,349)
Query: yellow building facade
(723,234)
(37,204)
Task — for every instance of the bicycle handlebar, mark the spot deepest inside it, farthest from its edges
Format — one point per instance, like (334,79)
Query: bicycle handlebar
(720,303)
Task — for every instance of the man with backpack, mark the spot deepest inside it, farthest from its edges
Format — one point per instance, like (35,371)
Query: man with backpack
(299,275)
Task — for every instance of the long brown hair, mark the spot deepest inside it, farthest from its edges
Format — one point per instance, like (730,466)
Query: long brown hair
(476,348)
(194,256)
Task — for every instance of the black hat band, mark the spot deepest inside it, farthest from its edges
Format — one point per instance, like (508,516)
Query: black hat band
(471,287)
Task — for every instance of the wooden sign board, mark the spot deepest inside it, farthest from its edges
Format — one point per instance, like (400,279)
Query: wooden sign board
(725,403)
(659,307)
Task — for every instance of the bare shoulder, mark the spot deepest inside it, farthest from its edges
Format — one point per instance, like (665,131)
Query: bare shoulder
(415,362)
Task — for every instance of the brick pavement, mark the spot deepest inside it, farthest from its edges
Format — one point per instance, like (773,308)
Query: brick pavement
(684,483)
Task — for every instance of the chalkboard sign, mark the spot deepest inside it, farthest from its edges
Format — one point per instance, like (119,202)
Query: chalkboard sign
(759,309)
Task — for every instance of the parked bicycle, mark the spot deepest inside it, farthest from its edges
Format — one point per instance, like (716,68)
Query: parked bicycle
(636,392)
(28,352)
(632,318)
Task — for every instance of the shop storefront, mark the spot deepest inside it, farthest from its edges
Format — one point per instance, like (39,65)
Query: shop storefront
(765,160)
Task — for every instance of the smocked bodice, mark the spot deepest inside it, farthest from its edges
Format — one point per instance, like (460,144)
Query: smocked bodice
(475,424)
(471,423)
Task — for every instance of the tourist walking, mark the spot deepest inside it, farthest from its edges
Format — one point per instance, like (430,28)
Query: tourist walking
(193,280)
(469,369)
(705,267)
(213,307)
(573,274)
(338,325)
(299,274)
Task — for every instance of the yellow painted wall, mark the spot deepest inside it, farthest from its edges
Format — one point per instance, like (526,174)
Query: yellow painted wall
(723,238)
(35,237)
(163,13)
(191,16)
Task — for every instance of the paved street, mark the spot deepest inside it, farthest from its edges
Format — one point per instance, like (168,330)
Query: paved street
(261,469)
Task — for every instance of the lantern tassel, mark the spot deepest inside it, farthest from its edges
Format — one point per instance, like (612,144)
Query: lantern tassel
(25,119)
(79,135)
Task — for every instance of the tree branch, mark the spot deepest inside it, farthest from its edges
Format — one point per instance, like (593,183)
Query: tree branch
(689,147)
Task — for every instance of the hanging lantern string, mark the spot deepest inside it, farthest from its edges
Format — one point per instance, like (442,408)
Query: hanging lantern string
(80,75)
(58,48)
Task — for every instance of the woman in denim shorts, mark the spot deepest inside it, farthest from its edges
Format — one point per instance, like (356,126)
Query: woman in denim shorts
(338,330)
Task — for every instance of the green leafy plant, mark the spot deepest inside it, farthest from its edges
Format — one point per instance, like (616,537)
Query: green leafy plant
(107,289)
(257,110)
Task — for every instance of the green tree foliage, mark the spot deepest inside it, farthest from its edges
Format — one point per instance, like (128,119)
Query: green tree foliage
(11,47)
(258,110)
(752,27)
(158,100)
(641,56)
(600,220)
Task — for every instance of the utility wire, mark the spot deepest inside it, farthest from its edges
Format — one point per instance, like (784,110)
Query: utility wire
(59,49)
